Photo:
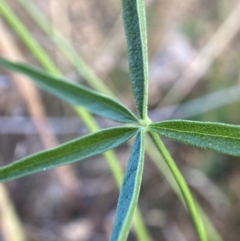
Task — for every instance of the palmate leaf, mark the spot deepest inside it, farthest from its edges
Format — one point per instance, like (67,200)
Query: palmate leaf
(135,28)
(69,152)
(74,94)
(219,137)
(129,192)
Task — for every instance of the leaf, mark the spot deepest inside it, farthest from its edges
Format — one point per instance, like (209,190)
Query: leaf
(135,28)
(74,94)
(219,137)
(130,189)
(72,151)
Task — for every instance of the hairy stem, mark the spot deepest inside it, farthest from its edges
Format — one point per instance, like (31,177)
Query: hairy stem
(189,200)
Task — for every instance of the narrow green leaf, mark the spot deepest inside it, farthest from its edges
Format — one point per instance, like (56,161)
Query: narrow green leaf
(72,151)
(219,137)
(130,189)
(135,28)
(74,94)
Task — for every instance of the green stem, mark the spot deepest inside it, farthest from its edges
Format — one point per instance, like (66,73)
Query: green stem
(154,155)
(189,200)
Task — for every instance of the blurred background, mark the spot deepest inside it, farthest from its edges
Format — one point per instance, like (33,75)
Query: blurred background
(194,60)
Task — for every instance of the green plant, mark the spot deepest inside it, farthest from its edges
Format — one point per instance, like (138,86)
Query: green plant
(216,136)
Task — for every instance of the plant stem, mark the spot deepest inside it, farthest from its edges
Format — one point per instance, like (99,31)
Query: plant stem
(154,155)
(189,200)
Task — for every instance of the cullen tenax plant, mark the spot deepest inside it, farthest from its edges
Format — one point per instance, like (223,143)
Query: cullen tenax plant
(214,136)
